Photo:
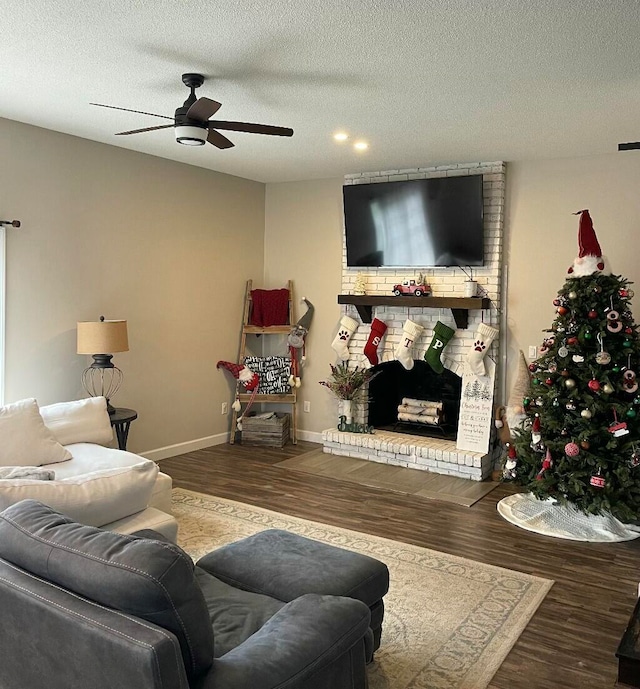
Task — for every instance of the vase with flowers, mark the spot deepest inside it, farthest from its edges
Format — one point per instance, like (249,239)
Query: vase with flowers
(347,384)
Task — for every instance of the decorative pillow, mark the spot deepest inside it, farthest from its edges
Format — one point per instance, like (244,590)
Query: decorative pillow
(147,578)
(24,439)
(29,473)
(81,421)
(273,371)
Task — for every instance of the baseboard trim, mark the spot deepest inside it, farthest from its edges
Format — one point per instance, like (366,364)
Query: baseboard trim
(210,441)
(311,436)
(189,446)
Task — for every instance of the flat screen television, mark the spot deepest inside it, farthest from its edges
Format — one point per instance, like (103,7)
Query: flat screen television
(423,223)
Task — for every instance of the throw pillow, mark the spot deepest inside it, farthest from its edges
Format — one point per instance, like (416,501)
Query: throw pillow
(80,421)
(29,473)
(25,440)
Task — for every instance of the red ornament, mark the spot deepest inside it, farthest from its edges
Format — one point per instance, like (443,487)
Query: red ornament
(557,302)
(571,450)
(623,293)
(549,381)
(628,330)
(597,481)
(593,313)
(594,385)
(571,341)
(563,310)
(533,367)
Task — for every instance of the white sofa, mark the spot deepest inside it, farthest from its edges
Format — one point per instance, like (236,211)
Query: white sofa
(92,483)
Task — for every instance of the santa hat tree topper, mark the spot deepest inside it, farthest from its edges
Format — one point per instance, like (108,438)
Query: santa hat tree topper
(590,259)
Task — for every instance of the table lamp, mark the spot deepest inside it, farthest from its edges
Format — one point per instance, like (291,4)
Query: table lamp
(102,378)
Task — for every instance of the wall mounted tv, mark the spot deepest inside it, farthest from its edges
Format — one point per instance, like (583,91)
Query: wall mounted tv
(423,223)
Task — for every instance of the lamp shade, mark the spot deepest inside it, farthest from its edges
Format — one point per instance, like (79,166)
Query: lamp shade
(102,337)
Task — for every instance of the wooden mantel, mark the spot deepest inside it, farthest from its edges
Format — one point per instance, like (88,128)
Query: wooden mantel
(460,306)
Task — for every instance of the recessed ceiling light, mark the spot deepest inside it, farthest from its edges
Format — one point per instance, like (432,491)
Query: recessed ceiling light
(340,136)
(361,145)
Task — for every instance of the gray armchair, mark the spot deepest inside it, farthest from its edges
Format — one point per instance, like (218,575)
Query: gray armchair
(84,608)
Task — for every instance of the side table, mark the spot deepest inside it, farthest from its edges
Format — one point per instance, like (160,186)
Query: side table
(121,420)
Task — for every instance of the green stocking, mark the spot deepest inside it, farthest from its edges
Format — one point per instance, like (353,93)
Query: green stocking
(441,335)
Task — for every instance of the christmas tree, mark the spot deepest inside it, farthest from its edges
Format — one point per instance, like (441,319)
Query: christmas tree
(580,442)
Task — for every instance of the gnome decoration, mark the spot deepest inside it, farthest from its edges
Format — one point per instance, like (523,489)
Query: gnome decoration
(296,342)
(245,377)
(536,435)
(590,259)
(515,411)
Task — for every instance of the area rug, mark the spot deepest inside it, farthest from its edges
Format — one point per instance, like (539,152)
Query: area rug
(420,484)
(549,518)
(449,622)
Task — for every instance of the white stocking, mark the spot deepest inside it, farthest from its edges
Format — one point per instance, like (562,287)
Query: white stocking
(404,351)
(484,337)
(340,343)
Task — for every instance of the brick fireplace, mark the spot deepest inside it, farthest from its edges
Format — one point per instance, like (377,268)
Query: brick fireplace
(437,454)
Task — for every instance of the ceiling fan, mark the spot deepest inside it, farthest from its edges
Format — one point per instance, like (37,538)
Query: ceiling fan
(192,124)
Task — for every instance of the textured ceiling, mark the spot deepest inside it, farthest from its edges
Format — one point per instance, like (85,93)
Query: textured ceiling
(425,82)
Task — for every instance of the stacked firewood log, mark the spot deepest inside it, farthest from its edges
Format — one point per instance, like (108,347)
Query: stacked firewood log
(420,411)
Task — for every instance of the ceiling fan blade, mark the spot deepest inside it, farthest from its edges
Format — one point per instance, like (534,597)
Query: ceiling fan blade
(250,127)
(140,112)
(632,146)
(203,108)
(146,129)
(218,140)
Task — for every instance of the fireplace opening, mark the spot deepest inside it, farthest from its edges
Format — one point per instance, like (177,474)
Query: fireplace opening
(418,402)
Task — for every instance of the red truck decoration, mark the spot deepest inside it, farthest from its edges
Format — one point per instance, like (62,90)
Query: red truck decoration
(412,288)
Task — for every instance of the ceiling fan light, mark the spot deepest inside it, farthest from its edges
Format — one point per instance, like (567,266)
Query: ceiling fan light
(191,136)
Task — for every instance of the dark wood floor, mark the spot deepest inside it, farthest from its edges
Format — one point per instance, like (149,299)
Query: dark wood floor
(571,641)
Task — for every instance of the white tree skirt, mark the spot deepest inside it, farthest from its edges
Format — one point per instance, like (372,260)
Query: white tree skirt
(549,518)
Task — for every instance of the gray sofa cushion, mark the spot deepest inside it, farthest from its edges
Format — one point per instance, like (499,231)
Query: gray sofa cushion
(235,614)
(285,565)
(106,567)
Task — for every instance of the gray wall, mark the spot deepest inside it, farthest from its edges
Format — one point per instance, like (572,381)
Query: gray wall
(166,246)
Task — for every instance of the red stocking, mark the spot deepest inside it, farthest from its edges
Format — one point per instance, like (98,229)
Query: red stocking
(378,329)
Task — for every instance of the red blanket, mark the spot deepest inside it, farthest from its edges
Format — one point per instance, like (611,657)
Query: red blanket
(270,307)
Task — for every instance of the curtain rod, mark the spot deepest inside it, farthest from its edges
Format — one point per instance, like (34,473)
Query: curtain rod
(13,223)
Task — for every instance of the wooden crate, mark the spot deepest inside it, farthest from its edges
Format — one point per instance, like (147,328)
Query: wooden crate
(272,432)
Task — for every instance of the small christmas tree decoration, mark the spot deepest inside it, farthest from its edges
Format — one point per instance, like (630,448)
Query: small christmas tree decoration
(584,444)
(592,314)
(570,383)
(594,385)
(586,413)
(360,285)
